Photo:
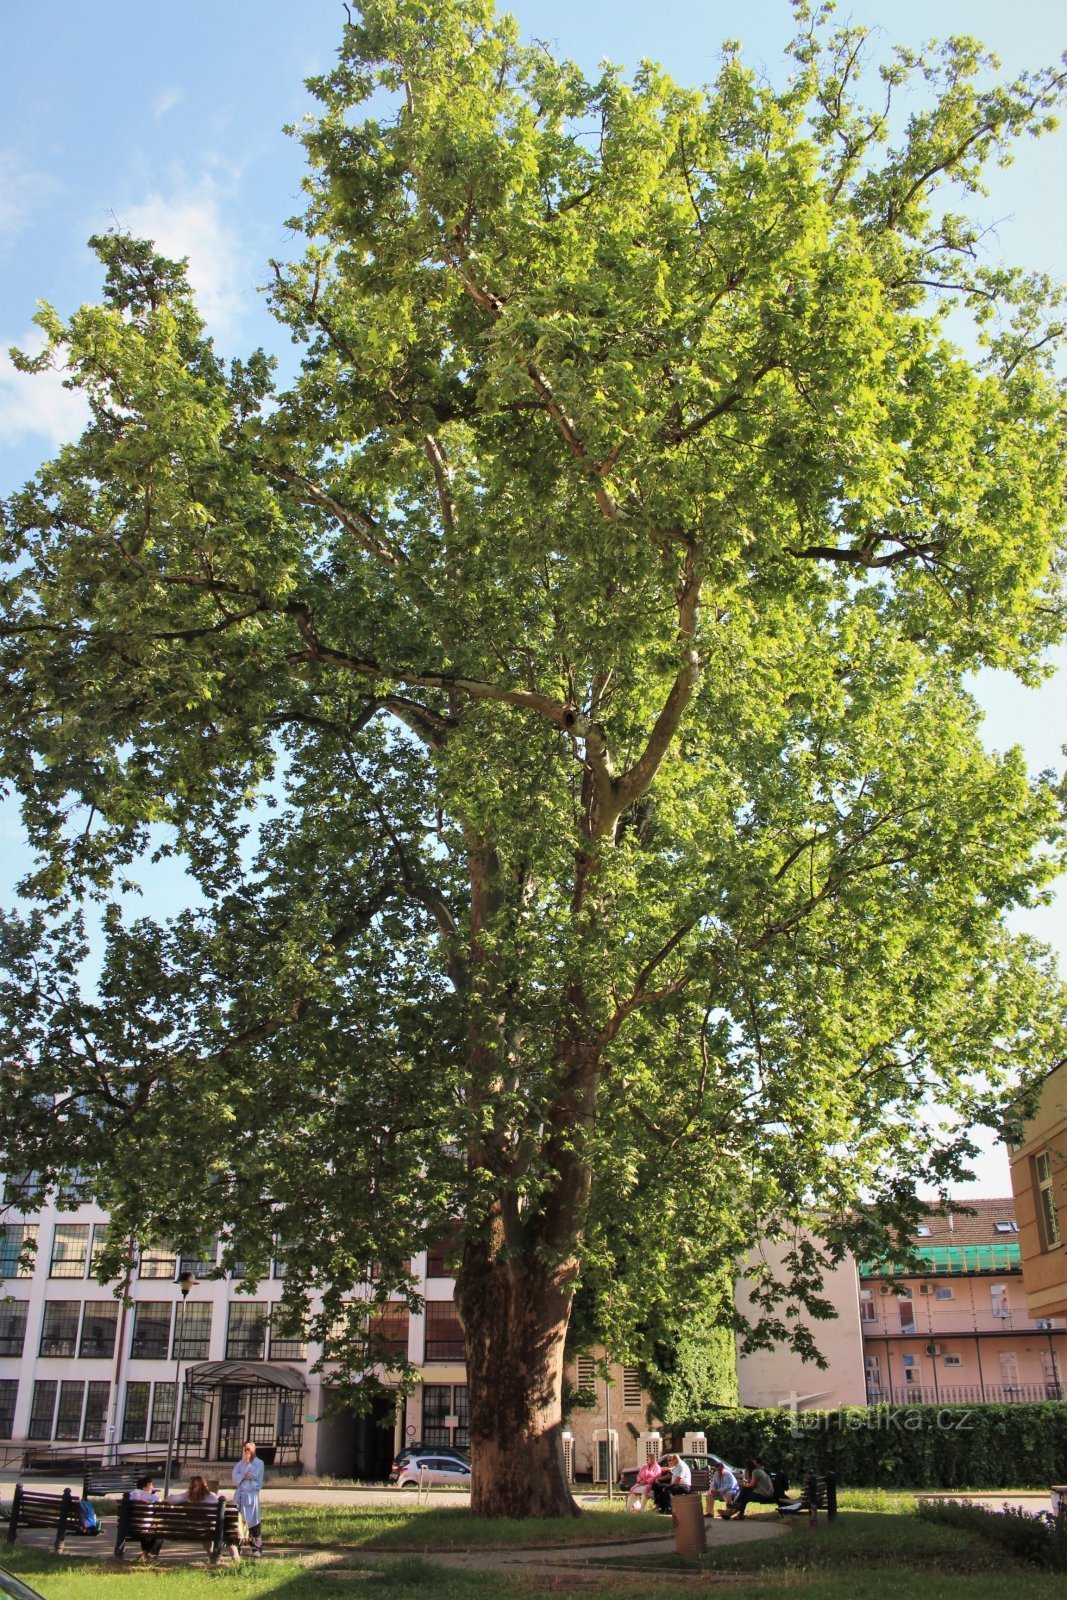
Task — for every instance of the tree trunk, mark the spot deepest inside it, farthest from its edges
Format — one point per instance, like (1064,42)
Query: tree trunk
(515,1314)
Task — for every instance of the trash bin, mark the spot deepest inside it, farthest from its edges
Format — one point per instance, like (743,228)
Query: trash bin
(688,1513)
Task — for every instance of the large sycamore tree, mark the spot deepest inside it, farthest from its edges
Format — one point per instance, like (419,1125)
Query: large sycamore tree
(557,696)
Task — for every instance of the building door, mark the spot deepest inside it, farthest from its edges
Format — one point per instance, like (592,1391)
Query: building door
(998,1295)
(232,1426)
(372,1442)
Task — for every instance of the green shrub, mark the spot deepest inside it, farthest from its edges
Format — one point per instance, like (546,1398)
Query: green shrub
(1041,1540)
(888,1447)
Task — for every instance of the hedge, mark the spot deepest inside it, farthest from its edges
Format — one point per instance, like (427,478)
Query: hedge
(899,1447)
(1041,1540)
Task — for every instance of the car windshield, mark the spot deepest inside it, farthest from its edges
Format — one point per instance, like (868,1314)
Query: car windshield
(15,1589)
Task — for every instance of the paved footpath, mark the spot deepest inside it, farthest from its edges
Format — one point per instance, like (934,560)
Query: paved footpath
(612,1555)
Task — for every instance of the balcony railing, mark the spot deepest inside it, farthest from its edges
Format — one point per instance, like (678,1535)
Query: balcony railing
(955,1394)
(934,1322)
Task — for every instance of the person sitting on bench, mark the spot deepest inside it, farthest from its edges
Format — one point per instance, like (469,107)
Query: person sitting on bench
(680,1481)
(755,1485)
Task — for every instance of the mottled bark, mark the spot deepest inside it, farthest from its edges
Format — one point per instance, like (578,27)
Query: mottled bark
(515,1316)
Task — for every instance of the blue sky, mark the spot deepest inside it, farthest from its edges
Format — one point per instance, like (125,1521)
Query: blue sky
(166,120)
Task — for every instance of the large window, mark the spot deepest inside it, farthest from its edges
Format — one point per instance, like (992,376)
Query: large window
(247,1330)
(192,1331)
(18,1246)
(444,1333)
(9,1394)
(42,1409)
(96,1404)
(70,1250)
(12,1326)
(151,1330)
(99,1321)
(59,1328)
(389,1331)
(135,1414)
(1045,1195)
(157,1262)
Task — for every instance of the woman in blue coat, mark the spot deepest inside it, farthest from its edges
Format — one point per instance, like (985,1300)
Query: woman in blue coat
(247,1482)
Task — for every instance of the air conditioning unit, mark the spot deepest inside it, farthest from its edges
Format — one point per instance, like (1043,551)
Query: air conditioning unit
(924,1288)
(933,1349)
(568,1456)
(884,1288)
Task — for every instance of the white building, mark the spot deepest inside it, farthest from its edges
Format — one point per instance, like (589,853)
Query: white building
(82,1369)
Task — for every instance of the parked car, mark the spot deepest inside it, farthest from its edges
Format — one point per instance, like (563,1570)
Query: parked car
(628,1476)
(445,1451)
(12,1588)
(440,1472)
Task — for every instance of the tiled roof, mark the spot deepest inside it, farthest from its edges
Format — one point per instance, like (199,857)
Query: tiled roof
(979,1229)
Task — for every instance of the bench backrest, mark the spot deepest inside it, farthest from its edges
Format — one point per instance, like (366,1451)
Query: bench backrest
(39,1510)
(139,1519)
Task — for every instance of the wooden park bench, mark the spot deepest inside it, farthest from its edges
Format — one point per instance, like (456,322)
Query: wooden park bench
(818,1493)
(32,1509)
(213,1528)
(120,1478)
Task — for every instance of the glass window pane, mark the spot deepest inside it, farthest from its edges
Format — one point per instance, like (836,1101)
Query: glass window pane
(162,1411)
(12,1326)
(285,1346)
(157,1261)
(70,1250)
(100,1237)
(388,1328)
(201,1263)
(59,1328)
(151,1330)
(192,1331)
(9,1393)
(246,1332)
(135,1416)
(444,1332)
(42,1408)
(99,1321)
(96,1404)
(18,1248)
(69,1415)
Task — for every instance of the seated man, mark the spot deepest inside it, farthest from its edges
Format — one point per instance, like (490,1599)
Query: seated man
(676,1480)
(755,1485)
(724,1487)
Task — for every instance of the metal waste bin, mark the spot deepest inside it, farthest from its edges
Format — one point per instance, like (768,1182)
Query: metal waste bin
(688,1513)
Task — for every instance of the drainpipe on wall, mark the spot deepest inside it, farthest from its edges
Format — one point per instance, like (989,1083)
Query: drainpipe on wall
(112,1441)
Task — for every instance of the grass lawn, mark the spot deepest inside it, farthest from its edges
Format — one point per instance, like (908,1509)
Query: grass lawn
(876,1550)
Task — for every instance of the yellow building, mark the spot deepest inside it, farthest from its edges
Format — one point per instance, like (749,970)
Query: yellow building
(1039,1179)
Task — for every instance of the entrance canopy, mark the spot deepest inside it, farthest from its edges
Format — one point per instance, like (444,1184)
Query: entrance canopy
(207,1376)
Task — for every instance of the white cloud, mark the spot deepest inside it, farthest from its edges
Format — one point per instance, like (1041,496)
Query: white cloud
(191,222)
(22,191)
(37,404)
(165,101)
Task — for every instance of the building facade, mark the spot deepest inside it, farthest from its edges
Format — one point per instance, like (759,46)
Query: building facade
(86,1368)
(1039,1182)
(949,1322)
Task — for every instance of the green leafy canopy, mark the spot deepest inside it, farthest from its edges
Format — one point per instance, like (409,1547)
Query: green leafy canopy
(558,693)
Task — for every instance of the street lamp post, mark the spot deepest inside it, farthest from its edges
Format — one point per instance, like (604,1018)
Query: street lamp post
(185,1283)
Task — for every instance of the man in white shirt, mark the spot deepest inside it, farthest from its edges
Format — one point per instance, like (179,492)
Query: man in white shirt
(679,1482)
